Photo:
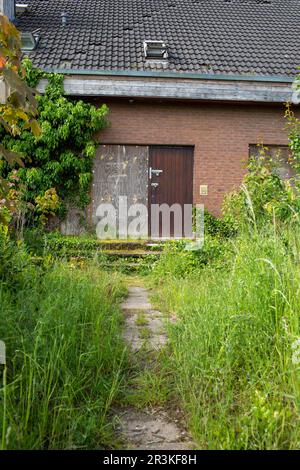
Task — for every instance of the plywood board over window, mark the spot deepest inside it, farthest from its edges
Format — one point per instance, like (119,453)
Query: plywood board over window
(120,170)
(281,154)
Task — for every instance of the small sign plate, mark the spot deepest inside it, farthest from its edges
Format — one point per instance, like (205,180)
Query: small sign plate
(203,190)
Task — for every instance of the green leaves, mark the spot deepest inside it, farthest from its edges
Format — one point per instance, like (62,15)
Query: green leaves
(47,204)
(10,157)
(264,196)
(61,156)
(20,107)
(293,128)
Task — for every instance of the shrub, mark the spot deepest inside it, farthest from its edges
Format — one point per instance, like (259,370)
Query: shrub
(67,247)
(214,226)
(15,263)
(178,262)
(263,197)
(59,161)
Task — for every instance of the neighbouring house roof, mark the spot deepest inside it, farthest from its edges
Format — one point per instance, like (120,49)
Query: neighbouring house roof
(234,37)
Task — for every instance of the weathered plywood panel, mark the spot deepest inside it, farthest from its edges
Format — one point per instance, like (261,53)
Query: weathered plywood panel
(120,170)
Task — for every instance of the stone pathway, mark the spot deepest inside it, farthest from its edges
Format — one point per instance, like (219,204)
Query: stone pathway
(139,318)
(148,429)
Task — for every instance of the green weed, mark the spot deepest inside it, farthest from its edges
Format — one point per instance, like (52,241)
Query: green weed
(65,358)
(232,346)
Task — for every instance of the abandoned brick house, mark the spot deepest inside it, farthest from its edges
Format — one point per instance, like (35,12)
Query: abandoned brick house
(192,86)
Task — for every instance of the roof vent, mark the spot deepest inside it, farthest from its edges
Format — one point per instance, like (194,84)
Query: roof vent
(155,50)
(64,18)
(21,7)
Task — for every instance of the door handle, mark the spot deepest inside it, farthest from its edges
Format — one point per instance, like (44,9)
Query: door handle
(154,171)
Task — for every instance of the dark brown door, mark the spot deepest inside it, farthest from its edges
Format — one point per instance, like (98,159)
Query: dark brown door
(170,182)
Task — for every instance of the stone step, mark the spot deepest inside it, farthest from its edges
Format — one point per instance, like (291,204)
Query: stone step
(127,266)
(130,254)
(130,245)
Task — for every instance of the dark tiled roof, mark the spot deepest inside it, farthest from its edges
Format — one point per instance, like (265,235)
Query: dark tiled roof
(260,37)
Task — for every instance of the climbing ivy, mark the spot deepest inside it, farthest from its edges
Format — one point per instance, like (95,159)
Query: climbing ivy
(60,159)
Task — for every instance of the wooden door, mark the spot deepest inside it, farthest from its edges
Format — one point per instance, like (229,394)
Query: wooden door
(170,182)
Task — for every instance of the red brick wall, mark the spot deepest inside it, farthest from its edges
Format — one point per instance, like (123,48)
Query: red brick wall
(220,134)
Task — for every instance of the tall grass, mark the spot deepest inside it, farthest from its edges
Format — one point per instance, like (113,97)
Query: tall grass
(64,358)
(233,354)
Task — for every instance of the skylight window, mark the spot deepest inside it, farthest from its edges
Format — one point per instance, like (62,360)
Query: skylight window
(29,41)
(155,50)
(21,7)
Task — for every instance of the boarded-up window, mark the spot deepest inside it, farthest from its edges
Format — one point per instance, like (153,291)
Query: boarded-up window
(281,154)
(119,171)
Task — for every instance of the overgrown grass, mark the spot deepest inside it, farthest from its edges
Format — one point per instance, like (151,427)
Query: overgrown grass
(233,353)
(65,358)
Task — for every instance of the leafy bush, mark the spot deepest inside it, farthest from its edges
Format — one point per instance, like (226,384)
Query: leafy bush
(67,247)
(263,197)
(15,263)
(60,159)
(178,262)
(214,226)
